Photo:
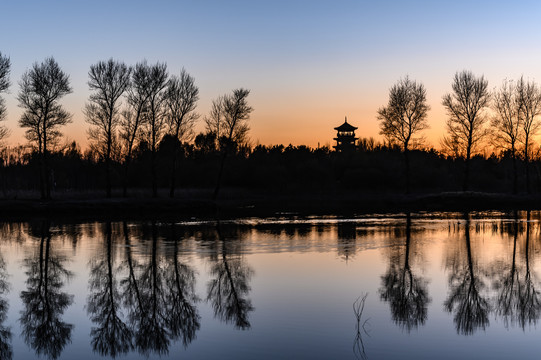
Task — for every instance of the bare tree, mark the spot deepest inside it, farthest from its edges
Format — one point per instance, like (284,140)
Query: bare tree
(529,94)
(5,69)
(404,117)
(181,98)
(508,122)
(134,116)
(109,80)
(233,113)
(466,122)
(42,87)
(156,82)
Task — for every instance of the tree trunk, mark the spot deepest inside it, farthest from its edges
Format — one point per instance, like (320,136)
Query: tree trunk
(153,172)
(527,165)
(173,173)
(515,175)
(220,172)
(46,168)
(407,160)
(466,184)
(108,170)
(125,180)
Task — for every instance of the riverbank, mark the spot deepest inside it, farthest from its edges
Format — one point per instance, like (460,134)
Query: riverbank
(197,204)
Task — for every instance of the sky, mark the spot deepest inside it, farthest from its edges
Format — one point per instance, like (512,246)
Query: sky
(308,64)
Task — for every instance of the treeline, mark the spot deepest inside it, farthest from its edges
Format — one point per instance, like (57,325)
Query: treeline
(373,167)
(141,134)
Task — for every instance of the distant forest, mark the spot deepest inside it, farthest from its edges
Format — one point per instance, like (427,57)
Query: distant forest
(141,134)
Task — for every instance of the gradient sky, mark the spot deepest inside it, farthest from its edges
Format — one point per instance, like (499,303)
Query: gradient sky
(307,63)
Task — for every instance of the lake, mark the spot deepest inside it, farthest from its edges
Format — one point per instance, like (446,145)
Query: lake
(394,286)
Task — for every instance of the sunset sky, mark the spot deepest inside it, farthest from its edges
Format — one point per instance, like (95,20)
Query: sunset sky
(307,63)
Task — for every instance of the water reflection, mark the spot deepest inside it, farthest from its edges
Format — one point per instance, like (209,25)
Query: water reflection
(406,292)
(146,281)
(470,307)
(111,336)
(229,287)
(517,301)
(6,350)
(44,301)
(347,236)
(183,319)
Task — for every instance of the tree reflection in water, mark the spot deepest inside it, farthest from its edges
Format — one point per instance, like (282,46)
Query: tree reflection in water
(530,297)
(6,350)
(159,297)
(44,302)
(470,308)
(406,292)
(229,287)
(184,320)
(112,336)
(518,300)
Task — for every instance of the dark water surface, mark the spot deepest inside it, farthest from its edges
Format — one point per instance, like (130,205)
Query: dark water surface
(443,286)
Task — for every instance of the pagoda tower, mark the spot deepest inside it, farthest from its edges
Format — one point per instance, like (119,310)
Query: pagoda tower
(345,137)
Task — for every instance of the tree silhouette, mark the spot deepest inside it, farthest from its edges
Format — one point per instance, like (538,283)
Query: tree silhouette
(109,80)
(229,115)
(154,87)
(42,87)
(465,107)
(181,99)
(111,337)
(508,122)
(465,300)
(134,116)
(406,293)
(529,95)
(5,68)
(404,116)
(44,302)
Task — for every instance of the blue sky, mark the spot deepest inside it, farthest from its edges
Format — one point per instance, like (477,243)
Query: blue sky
(307,63)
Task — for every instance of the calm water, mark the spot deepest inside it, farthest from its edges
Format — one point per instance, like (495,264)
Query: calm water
(441,286)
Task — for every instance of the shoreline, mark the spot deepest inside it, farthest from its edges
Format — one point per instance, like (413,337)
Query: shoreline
(244,203)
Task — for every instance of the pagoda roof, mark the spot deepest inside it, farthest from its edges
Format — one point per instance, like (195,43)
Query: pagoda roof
(345,127)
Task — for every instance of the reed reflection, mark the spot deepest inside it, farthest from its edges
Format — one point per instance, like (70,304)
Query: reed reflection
(44,301)
(466,285)
(111,336)
(229,288)
(6,349)
(406,292)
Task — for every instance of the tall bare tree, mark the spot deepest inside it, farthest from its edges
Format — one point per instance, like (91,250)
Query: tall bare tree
(156,82)
(181,98)
(466,110)
(529,94)
(41,89)
(109,80)
(404,117)
(508,122)
(232,115)
(134,116)
(5,68)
